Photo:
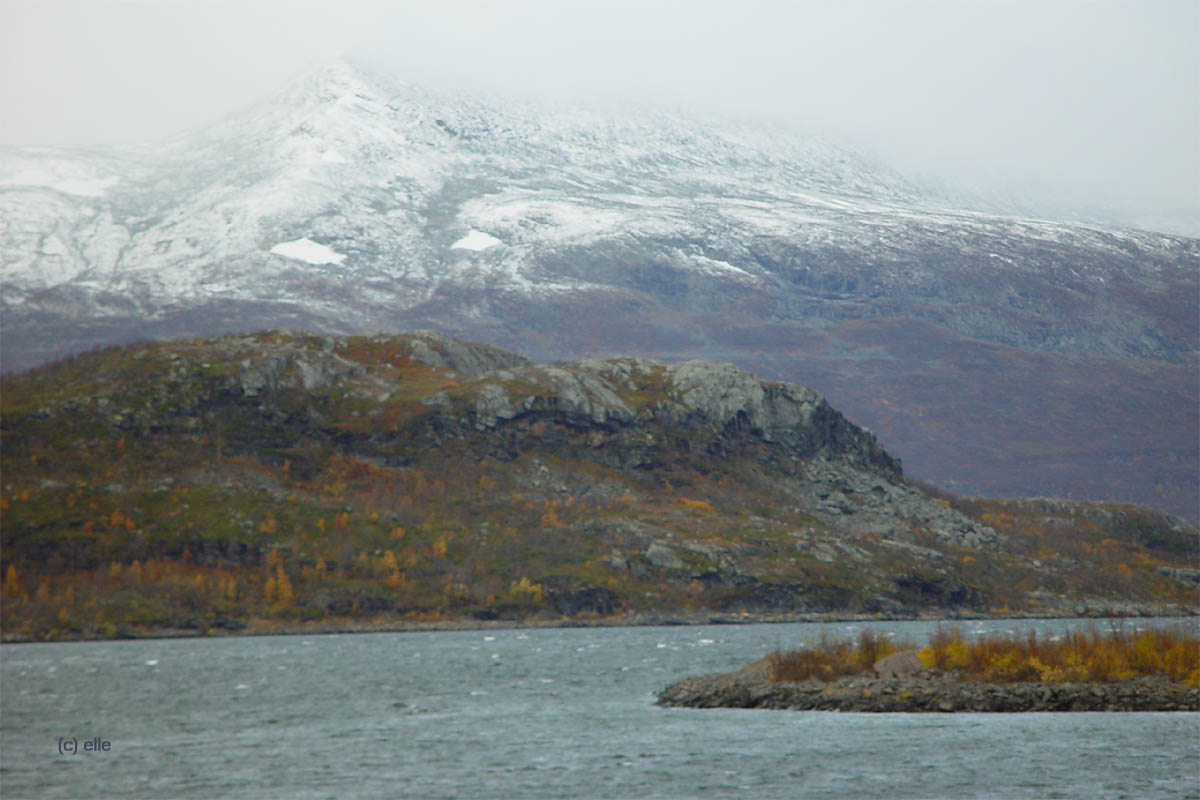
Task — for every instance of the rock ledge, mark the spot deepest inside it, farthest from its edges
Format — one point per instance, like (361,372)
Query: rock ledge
(932,691)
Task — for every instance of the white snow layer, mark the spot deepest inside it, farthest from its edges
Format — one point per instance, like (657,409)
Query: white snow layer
(81,185)
(306,249)
(475,240)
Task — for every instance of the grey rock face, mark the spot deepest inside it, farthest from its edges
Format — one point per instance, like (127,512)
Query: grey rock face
(850,484)
(718,404)
(1185,575)
(847,496)
(576,393)
(264,374)
(295,368)
(492,404)
(441,351)
(718,392)
(723,397)
(583,394)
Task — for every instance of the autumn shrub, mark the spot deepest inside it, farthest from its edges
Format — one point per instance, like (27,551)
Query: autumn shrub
(1077,656)
(820,663)
(831,658)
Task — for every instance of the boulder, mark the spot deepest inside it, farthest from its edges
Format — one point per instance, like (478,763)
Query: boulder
(660,555)
(904,664)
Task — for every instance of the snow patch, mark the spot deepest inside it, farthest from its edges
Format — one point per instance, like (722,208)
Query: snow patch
(306,249)
(78,185)
(334,157)
(713,267)
(551,216)
(476,240)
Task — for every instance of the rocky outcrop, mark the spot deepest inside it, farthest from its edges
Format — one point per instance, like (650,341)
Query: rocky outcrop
(1187,576)
(643,413)
(578,395)
(721,396)
(444,352)
(298,360)
(904,664)
(859,499)
(931,691)
(296,370)
(717,405)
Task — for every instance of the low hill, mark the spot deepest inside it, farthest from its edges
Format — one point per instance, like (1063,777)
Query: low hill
(281,478)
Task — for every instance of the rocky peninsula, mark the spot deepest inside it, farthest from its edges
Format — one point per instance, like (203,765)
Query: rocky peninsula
(926,690)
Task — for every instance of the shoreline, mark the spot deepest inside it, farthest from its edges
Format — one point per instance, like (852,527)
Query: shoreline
(639,620)
(931,692)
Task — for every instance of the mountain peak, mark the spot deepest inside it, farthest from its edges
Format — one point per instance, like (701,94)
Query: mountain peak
(330,83)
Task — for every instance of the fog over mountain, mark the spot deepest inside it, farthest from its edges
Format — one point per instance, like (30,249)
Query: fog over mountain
(1073,109)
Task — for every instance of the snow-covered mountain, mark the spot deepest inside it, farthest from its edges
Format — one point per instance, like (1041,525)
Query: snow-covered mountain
(355,199)
(351,202)
(388,190)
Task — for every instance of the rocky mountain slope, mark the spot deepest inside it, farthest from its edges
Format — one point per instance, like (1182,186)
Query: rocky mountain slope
(996,354)
(284,478)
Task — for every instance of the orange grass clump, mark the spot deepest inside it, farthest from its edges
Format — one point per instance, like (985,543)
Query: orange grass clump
(1076,656)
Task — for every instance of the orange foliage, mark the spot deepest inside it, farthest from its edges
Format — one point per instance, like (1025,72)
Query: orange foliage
(697,505)
(550,518)
(12,582)
(1076,656)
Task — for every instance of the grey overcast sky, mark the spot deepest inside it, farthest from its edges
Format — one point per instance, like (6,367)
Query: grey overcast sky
(1071,103)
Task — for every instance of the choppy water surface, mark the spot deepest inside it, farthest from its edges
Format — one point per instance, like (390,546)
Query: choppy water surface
(527,713)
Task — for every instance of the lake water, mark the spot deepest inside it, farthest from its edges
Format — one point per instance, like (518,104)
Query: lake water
(547,713)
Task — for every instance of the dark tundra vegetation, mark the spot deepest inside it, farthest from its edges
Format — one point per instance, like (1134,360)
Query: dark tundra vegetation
(281,480)
(1122,670)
